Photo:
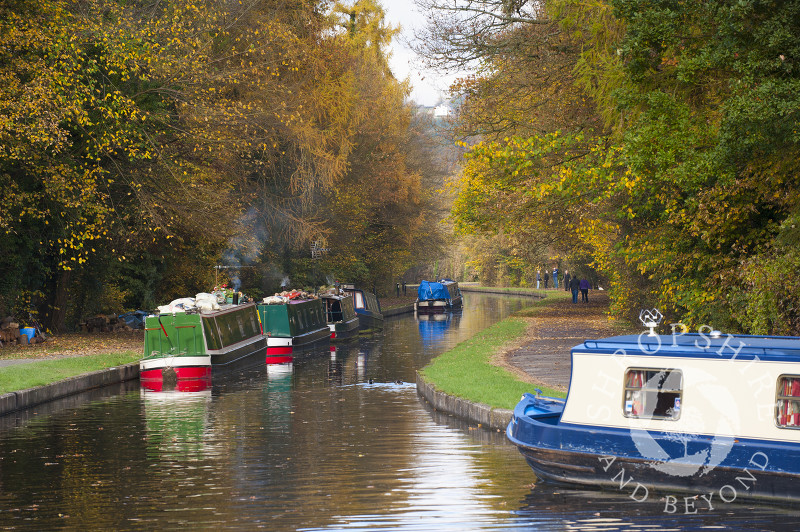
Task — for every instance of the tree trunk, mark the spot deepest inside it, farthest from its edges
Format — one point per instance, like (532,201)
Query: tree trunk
(58,303)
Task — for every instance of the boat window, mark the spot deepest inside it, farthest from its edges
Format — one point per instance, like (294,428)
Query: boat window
(787,405)
(359,300)
(653,393)
(240,323)
(253,320)
(212,333)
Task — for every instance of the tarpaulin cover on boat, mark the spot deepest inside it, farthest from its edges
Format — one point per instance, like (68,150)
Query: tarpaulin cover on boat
(432,290)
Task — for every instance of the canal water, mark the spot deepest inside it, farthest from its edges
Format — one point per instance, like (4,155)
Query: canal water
(338,441)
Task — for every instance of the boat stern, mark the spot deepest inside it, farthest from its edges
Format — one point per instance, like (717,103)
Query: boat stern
(531,416)
(179,372)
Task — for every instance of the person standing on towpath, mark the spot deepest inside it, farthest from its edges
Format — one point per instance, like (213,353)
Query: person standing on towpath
(574,285)
(584,290)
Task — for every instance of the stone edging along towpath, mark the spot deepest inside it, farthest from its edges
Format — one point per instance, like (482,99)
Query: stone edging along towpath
(23,399)
(481,414)
(543,358)
(526,293)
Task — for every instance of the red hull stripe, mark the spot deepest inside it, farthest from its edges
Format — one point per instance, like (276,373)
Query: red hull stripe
(278,359)
(281,350)
(194,372)
(151,375)
(191,372)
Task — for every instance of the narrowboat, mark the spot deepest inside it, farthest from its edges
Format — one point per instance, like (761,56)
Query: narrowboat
(368,308)
(292,324)
(340,313)
(713,416)
(184,344)
(436,296)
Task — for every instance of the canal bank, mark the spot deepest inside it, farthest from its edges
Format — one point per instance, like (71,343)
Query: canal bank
(22,399)
(538,357)
(527,292)
(480,414)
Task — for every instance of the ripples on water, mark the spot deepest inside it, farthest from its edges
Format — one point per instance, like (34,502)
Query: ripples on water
(311,447)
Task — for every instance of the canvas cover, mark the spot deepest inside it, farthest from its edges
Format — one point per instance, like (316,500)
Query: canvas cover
(432,290)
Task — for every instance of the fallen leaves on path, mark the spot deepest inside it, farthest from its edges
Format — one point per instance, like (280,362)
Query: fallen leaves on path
(542,355)
(75,344)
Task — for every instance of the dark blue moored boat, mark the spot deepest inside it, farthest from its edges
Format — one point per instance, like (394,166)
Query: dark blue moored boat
(367,307)
(437,296)
(715,416)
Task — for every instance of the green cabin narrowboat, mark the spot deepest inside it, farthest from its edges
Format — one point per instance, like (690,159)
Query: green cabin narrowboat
(367,306)
(187,346)
(340,313)
(292,324)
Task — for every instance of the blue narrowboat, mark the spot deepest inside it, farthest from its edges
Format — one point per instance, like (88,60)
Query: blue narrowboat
(713,416)
(367,306)
(437,296)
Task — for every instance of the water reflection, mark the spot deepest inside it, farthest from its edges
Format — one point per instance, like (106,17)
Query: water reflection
(176,423)
(433,326)
(575,509)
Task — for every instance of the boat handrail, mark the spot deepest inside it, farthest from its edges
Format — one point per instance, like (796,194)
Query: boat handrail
(650,346)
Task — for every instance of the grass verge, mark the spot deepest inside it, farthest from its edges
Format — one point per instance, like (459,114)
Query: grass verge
(510,289)
(32,374)
(465,370)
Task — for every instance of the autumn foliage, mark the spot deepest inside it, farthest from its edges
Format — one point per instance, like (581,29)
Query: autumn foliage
(142,141)
(660,138)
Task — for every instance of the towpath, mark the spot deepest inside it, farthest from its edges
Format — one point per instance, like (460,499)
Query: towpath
(543,354)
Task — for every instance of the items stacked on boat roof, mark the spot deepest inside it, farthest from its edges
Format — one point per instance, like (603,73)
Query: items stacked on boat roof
(292,319)
(203,302)
(281,298)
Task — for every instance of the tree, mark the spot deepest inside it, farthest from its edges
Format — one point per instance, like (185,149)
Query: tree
(685,186)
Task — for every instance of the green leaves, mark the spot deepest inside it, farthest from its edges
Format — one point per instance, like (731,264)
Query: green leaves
(694,182)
